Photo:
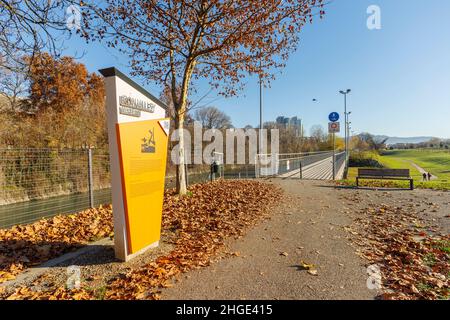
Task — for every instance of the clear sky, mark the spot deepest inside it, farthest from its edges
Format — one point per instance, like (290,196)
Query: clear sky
(399,75)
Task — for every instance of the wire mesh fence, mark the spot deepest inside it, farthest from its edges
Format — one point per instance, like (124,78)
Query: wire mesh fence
(40,183)
(36,183)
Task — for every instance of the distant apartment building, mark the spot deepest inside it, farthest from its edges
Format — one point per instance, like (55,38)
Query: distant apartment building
(293,123)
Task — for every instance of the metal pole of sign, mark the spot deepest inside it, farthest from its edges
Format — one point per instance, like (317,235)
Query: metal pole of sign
(187,174)
(334,156)
(90,179)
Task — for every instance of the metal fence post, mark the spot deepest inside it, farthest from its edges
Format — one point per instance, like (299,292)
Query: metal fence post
(90,179)
(301,170)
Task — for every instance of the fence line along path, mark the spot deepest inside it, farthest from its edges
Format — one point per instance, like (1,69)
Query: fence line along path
(318,167)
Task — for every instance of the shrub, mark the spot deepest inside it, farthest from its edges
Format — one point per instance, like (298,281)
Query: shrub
(365,159)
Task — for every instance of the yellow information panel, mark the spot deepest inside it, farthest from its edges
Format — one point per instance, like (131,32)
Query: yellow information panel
(143,154)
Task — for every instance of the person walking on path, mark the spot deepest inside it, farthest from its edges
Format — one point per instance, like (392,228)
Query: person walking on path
(424,176)
(429,176)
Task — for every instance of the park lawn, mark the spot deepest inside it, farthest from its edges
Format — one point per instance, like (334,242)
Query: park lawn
(400,163)
(434,161)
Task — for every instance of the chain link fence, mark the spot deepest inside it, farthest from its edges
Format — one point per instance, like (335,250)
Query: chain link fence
(40,183)
(37,183)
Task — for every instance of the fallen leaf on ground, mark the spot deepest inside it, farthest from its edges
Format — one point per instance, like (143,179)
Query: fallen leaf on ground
(307,266)
(199,225)
(313,272)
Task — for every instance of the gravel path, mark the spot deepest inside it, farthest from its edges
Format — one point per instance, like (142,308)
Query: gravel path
(309,229)
(422,171)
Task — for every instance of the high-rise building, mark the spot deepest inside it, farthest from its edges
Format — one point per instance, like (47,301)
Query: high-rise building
(293,123)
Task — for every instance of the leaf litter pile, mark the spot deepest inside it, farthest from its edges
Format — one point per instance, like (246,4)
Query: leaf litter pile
(414,258)
(30,245)
(198,225)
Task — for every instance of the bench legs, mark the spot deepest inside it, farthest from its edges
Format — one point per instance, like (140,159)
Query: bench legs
(411,183)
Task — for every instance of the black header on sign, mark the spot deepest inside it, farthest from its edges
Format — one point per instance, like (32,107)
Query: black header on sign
(113,72)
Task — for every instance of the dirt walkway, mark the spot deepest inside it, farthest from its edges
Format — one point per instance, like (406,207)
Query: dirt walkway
(422,171)
(309,229)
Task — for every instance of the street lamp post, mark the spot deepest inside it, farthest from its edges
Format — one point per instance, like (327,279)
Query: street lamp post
(345,93)
(348,134)
(261,125)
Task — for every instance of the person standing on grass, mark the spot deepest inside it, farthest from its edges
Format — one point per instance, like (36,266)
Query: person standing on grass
(424,176)
(429,176)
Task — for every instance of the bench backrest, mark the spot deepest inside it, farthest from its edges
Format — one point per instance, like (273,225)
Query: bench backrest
(394,173)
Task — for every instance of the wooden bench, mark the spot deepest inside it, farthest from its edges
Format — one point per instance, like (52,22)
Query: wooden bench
(385,174)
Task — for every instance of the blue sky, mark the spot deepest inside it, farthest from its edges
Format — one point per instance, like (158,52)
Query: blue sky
(399,75)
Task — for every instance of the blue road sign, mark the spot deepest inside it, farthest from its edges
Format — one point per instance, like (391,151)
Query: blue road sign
(334,116)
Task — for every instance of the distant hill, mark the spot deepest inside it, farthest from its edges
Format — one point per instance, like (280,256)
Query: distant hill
(395,140)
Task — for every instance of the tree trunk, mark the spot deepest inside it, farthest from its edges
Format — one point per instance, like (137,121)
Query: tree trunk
(180,108)
(181,169)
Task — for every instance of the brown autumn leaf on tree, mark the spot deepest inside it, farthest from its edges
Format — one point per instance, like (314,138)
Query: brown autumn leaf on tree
(62,83)
(65,107)
(177,43)
(61,105)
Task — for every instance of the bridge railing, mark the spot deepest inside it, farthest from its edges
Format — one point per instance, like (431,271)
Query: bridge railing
(294,165)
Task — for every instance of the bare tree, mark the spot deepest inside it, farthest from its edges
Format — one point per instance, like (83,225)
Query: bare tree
(373,142)
(213,118)
(13,87)
(27,27)
(317,133)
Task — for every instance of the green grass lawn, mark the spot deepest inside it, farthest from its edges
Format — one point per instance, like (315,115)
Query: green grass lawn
(434,161)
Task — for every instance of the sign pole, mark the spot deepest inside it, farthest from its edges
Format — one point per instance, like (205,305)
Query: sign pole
(334,156)
(333,128)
